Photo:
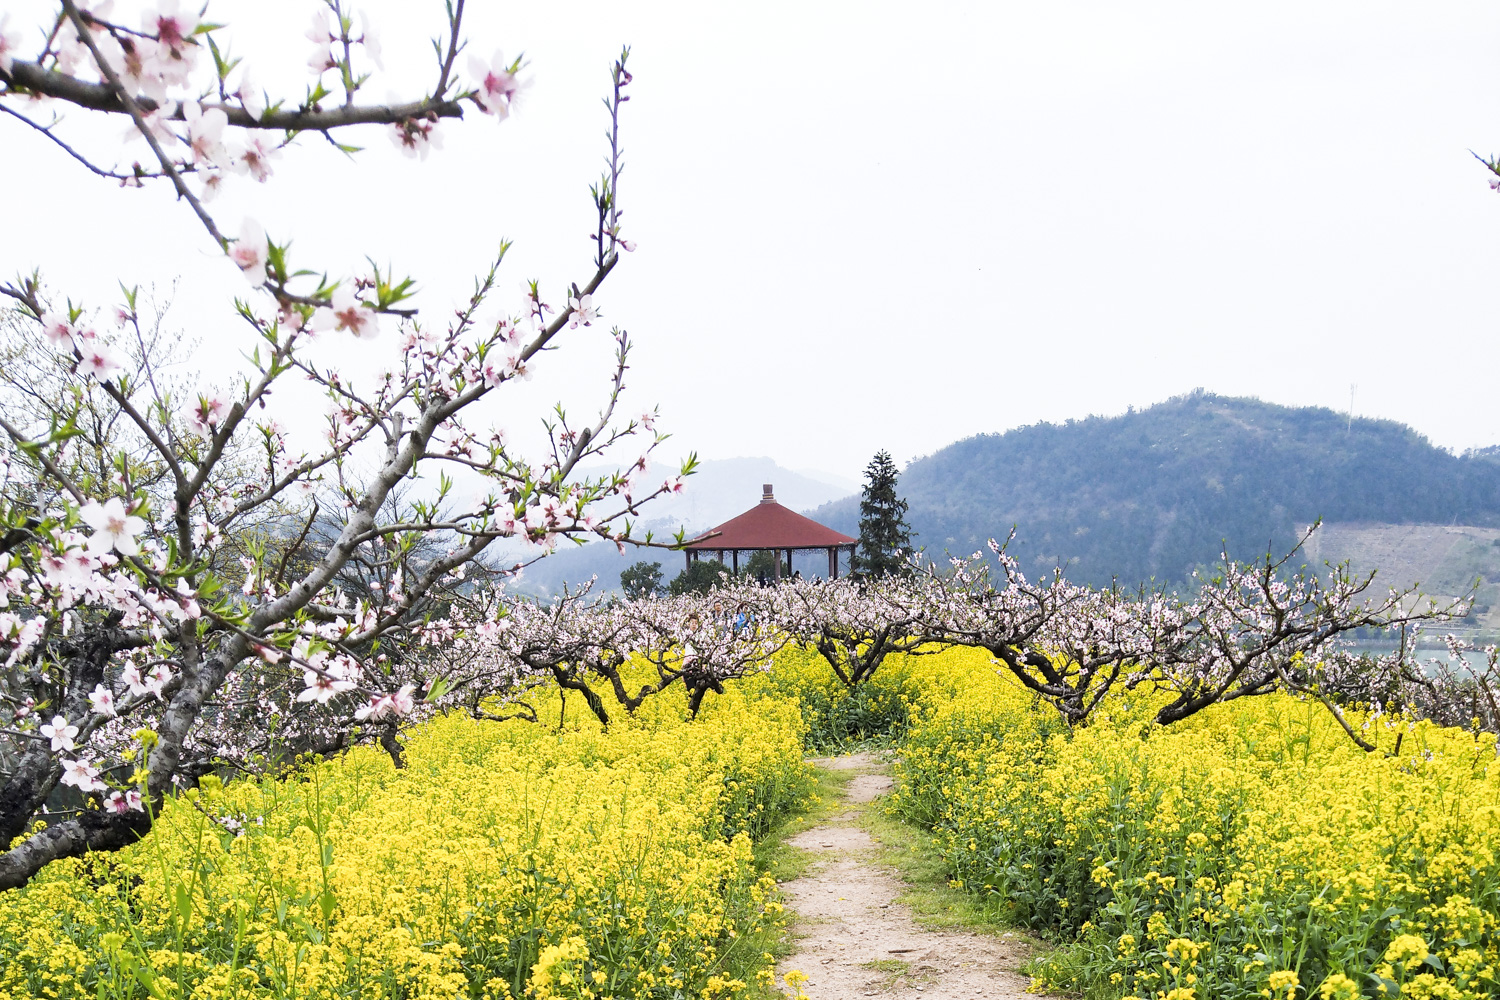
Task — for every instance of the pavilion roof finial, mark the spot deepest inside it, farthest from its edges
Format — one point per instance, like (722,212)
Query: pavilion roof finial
(766,496)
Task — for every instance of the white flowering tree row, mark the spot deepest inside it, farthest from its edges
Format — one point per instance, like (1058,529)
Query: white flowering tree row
(184,584)
(491,650)
(1253,629)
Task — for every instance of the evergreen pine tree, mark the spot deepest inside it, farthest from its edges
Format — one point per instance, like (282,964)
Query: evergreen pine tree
(884,535)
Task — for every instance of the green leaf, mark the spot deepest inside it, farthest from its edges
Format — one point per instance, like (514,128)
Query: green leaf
(327,903)
(147,979)
(184,904)
(222,64)
(313,934)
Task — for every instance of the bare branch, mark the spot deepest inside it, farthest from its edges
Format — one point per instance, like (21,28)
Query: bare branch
(105,97)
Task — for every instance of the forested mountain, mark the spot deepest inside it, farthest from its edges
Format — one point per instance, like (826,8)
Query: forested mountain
(1154,493)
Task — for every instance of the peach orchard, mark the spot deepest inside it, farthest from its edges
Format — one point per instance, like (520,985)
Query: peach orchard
(187,591)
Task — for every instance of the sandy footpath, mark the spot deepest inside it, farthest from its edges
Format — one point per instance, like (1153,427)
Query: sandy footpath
(854,940)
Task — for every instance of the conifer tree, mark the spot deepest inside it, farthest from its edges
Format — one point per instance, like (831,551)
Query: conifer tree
(884,535)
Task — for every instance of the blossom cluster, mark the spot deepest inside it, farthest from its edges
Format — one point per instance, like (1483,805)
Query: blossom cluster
(207,114)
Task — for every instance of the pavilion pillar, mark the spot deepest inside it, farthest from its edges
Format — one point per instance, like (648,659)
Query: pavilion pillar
(689,554)
(778,564)
(735,555)
(833,563)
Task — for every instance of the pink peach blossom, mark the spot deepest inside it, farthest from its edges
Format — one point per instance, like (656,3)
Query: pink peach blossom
(249,252)
(114,528)
(497,85)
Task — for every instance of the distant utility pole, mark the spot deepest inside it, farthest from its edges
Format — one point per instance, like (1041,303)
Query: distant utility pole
(1348,431)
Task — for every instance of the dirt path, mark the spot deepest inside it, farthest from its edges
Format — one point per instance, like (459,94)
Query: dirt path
(855,940)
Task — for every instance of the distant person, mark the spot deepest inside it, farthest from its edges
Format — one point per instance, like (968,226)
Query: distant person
(690,651)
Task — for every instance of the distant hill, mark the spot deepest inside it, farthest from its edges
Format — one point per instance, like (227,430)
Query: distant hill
(1445,559)
(1153,493)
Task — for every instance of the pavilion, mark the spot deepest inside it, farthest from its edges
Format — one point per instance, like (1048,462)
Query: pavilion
(770,527)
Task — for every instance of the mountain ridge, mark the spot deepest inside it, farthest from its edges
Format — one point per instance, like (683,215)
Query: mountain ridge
(1149,494)
(1152,493)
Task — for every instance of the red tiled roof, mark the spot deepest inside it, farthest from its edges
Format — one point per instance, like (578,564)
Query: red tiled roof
(768,525)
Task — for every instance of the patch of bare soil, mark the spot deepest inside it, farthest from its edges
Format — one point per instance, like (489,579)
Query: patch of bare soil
(855,940)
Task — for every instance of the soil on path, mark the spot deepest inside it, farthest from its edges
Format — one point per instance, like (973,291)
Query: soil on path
(854,939)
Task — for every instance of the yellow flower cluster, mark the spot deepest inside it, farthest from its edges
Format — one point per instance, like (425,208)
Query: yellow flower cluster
(507,860)
(1249,851)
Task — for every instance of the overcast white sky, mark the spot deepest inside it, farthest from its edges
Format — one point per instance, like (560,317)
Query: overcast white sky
(871,225)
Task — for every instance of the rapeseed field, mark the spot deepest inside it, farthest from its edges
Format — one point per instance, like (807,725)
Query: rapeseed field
(507,860)
(1251,851)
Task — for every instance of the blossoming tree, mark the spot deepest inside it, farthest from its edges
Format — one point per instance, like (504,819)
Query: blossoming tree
(855,623)
(161,610)
(493,648)
(1251,629)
